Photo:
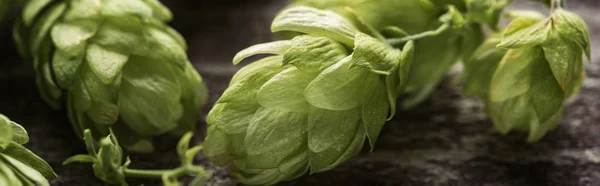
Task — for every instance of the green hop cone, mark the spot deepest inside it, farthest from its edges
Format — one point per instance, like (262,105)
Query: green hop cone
(18,165)
(311,105)
(542,67)
(112,63)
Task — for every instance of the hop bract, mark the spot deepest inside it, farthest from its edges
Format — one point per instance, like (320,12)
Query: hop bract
(542,67)
(112,63)
(308,107)
(18,165)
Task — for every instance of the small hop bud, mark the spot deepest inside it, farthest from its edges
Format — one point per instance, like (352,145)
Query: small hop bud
(542,66)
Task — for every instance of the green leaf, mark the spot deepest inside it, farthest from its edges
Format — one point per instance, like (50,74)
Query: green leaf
(232,118)
(375,108)
(118,8)
(144,80)
(28,158)
(338,87)
(272,63)
(531,14)
(106,64)
(9,176)
(276,154)
(406,58)
(19,134)
(166,48)
(65,67)
(511,113)
(513,76)
(159,11)
(539,129)
(315,22)
(32,9)
(42,26)
(248,83)
(285,91)
(562,56)
(571,26)
(271,128)
(83,9)
(481,67)
(375,55)
(313,54)
(546,95)
(31,173)
(127,39)
(329,134)
(524,32)
(70,39)
(217,146)
(5,132)
(80,158)
(275,47)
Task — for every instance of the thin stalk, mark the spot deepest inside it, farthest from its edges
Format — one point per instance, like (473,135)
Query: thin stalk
(160,173)
(557,4)
(402,40)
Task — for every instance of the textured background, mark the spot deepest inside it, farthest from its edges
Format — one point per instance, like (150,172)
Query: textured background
(446,141)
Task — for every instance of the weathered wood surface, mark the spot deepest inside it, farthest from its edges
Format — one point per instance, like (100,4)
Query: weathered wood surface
(447,141)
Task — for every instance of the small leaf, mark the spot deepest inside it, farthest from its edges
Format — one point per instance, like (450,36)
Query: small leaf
(523,32)
(375,55)
(313,54)
(232,118)
(8,175)
(164,47)
(562,56)
(375,108)
(546,95)
(271,128)
(272,64)
(315,22)
(30,159)
(338,87)
(31,173)
(80,158)
(42,26)
(32,9)
(244,90)
(511,113)
(106,64)
(275,47)
(285,91)
(406,58)
(70,39)
(217,146)
(19,134)
(159,10)
(571,26)
(329,133)
(65,67)
(513,76)
(83,9)
(5,132)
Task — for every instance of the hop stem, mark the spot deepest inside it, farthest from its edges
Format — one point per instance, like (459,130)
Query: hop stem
(402,40)
(557,4)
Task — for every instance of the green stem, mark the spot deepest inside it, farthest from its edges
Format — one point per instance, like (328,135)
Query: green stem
(402,40)
(160,173)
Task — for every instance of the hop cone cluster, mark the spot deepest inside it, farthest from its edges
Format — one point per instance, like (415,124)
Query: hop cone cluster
(311,105)
(18,165)
(112,63)
(538,65)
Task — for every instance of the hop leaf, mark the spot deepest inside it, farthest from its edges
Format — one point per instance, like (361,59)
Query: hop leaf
(116,64)
(18,165)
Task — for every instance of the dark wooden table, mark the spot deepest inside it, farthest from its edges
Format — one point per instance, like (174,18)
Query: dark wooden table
(446,141)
